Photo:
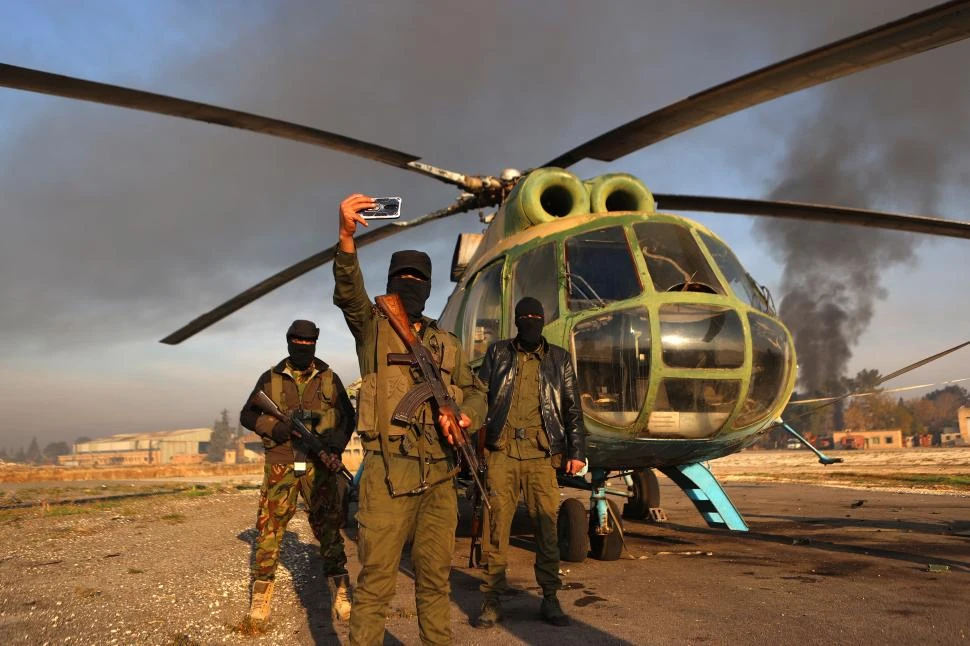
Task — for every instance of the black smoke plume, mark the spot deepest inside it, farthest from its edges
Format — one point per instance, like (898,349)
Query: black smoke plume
(882,149)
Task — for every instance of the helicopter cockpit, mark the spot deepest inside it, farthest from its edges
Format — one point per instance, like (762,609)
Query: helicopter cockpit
(698,372)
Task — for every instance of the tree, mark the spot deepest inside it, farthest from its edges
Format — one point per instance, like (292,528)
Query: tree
(222,435)
(20,456)
(54,449)
(33,455)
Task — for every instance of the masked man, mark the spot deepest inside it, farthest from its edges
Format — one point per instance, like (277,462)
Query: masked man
(304,385)
(534,427)
(407,490)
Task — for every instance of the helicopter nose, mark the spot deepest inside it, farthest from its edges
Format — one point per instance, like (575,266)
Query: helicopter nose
(715,370)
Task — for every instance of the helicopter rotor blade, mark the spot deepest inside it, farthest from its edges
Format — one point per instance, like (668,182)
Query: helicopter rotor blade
(919,32)
(902,371)
(816,213)
(22,78)
(465,203)
(870,393)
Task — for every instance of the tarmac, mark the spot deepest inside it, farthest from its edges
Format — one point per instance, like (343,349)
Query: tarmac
(820,565)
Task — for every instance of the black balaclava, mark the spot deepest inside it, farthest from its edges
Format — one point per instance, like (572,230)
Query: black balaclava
(414,293)
(301,354)
(530,329)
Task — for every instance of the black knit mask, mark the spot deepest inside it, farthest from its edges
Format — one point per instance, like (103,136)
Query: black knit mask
(529,327)
(414,294)
(301,354)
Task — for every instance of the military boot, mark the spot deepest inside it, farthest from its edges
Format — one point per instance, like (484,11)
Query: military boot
(339,597)
(491,613)
(552,612)
(259,608)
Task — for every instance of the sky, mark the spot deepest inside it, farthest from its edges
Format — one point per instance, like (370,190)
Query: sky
(117,227)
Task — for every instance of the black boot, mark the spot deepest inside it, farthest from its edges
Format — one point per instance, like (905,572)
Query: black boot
(552,612)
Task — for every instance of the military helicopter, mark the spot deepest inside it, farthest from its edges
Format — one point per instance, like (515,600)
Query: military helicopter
(680,355)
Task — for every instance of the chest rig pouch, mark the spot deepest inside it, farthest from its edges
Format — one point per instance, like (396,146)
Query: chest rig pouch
(315,408)
(397,426)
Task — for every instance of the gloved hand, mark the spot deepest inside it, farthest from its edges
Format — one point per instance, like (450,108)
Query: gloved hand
(333,461)
(280,433)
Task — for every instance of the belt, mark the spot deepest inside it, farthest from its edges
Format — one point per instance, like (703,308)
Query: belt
(427,459)
(519,433)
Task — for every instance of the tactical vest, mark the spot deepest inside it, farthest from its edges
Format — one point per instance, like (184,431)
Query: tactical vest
(318,401)
(381,392)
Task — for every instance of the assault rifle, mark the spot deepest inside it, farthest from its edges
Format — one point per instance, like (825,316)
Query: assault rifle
(478,507)
(432,387)
(262,401)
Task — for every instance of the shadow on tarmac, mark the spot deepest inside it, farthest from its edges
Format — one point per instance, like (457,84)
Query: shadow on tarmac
(812,543)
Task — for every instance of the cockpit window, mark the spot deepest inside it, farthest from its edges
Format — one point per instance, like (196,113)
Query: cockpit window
(694,335)
(741,282)
(674,260)
(483,312)
(613,365)
(536,274)
(600,269)
(692,408)
(770,365)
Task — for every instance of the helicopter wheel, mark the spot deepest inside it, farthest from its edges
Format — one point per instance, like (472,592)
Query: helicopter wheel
(646,495)
(572,529)
(606,547)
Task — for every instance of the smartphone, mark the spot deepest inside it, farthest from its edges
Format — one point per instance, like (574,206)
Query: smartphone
(387,208)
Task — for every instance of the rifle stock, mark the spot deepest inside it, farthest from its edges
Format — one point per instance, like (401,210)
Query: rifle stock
(420,357)
(262,401)
(396,315)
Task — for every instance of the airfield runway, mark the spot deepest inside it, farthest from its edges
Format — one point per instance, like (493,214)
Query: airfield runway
(821,565)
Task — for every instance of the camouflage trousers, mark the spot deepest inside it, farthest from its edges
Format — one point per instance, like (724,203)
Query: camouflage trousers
(277,503)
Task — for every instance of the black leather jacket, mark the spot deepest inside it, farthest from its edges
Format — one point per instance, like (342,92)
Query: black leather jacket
(562,416)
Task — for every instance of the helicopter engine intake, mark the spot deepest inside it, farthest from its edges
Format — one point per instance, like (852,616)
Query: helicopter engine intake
(619,192)
(543,196)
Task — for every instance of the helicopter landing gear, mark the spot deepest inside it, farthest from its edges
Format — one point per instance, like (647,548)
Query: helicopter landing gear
(606,546)
(605,526)
(573,540)
(645,500)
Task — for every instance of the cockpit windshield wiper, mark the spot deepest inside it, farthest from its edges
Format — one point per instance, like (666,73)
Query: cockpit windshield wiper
(582,285)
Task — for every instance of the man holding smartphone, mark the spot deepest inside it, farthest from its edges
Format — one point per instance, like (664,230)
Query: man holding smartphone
(407,490)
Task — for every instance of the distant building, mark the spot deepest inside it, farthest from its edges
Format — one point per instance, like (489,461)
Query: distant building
(882,439)
(186,446)
(247,448)
(353,453)
(963,419)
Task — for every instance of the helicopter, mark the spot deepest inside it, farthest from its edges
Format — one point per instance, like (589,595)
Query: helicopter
(680,355)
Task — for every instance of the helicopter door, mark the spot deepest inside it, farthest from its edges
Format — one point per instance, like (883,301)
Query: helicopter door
(482,323)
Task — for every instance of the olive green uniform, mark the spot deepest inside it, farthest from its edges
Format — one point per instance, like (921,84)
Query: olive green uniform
(407,490)
(320,395)
(522,465)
